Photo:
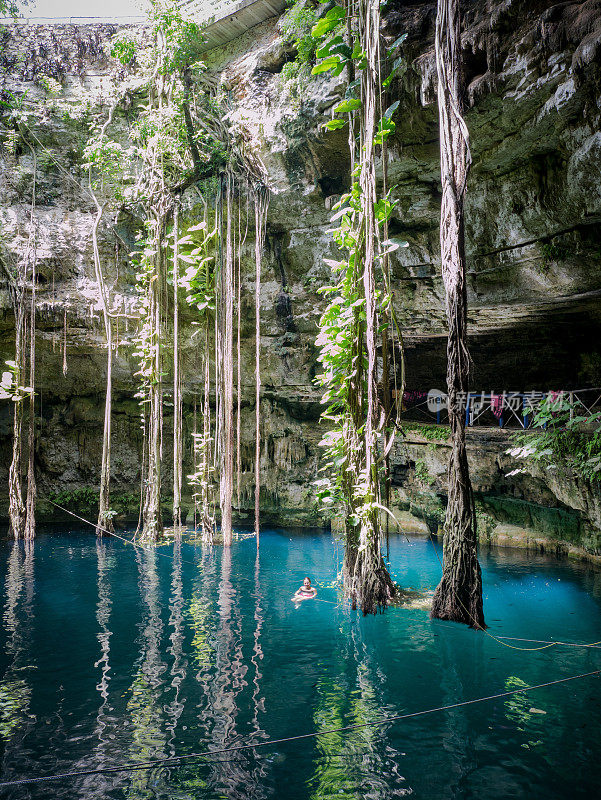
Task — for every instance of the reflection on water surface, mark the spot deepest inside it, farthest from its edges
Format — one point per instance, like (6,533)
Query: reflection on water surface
(113,654)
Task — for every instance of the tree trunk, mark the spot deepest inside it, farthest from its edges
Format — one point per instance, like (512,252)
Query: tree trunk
(458,596)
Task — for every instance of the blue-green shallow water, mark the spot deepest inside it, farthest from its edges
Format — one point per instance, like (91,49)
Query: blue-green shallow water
(113,655)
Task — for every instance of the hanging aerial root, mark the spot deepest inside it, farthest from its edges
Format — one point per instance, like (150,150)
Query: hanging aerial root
(261,204)
(458,597)
(366,580)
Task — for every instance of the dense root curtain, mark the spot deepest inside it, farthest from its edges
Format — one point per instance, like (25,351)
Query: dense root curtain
(152,519)
(16,507)
(30,502)
(22,516)
(350,327)
(458,596)
(105,522)
(366,577)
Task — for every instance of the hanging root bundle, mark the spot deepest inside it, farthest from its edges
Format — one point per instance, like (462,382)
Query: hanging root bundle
(226,368)
(261,205)
(458,596)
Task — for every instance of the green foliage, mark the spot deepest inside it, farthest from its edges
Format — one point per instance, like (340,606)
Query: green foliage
(85,501)
(124,503)
(124,48)
(77,499)
(433,433)
(203,478)
(10,386)
(340,329)
(348,486)
(14,108)
(11,8)
(50,85)
(399,65)
(348,105)
(163,131)
(165,126)
(196,251)
(146,341)
(335,52)
(422,473)
(329,22)
(334,124)
(296,28)
(485,525)
(553,251)
(182,36)
(105,160)
(565,439)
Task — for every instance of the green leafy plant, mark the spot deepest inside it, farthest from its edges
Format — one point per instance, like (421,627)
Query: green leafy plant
(10,388)
(566,438)
(553,251)
(123,48)
(422,473)
(434,433)
(296,28)
(50,85)
(85,497)
(105,161)
(196,250)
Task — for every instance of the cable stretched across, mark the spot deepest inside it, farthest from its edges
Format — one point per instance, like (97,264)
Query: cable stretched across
(545,644)
(594,645)
(174,760)
(112,533)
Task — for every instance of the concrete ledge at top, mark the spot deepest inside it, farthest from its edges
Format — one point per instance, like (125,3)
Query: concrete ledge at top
(231,19)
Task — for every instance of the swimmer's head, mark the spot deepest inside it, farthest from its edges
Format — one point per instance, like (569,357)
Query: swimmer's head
(307,583)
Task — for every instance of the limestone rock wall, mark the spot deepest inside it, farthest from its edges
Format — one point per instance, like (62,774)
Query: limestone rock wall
(533,77)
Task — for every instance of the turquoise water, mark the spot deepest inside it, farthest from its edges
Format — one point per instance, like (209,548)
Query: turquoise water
(112,654)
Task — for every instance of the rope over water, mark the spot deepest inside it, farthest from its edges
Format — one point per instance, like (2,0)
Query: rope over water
(545,644)
(174,760)
(112,533)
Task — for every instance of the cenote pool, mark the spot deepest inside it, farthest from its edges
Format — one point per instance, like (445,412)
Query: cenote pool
(112,654)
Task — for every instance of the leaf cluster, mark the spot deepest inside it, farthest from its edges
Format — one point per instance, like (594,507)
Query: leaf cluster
(296,28)
(566,439)
(347,482)
(196,251)
(123,48)
(181,35)
(10,387)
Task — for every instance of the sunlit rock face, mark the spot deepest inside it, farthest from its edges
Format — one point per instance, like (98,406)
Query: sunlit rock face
(533,93)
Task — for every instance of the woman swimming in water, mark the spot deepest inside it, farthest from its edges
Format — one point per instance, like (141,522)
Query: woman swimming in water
(305,592)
